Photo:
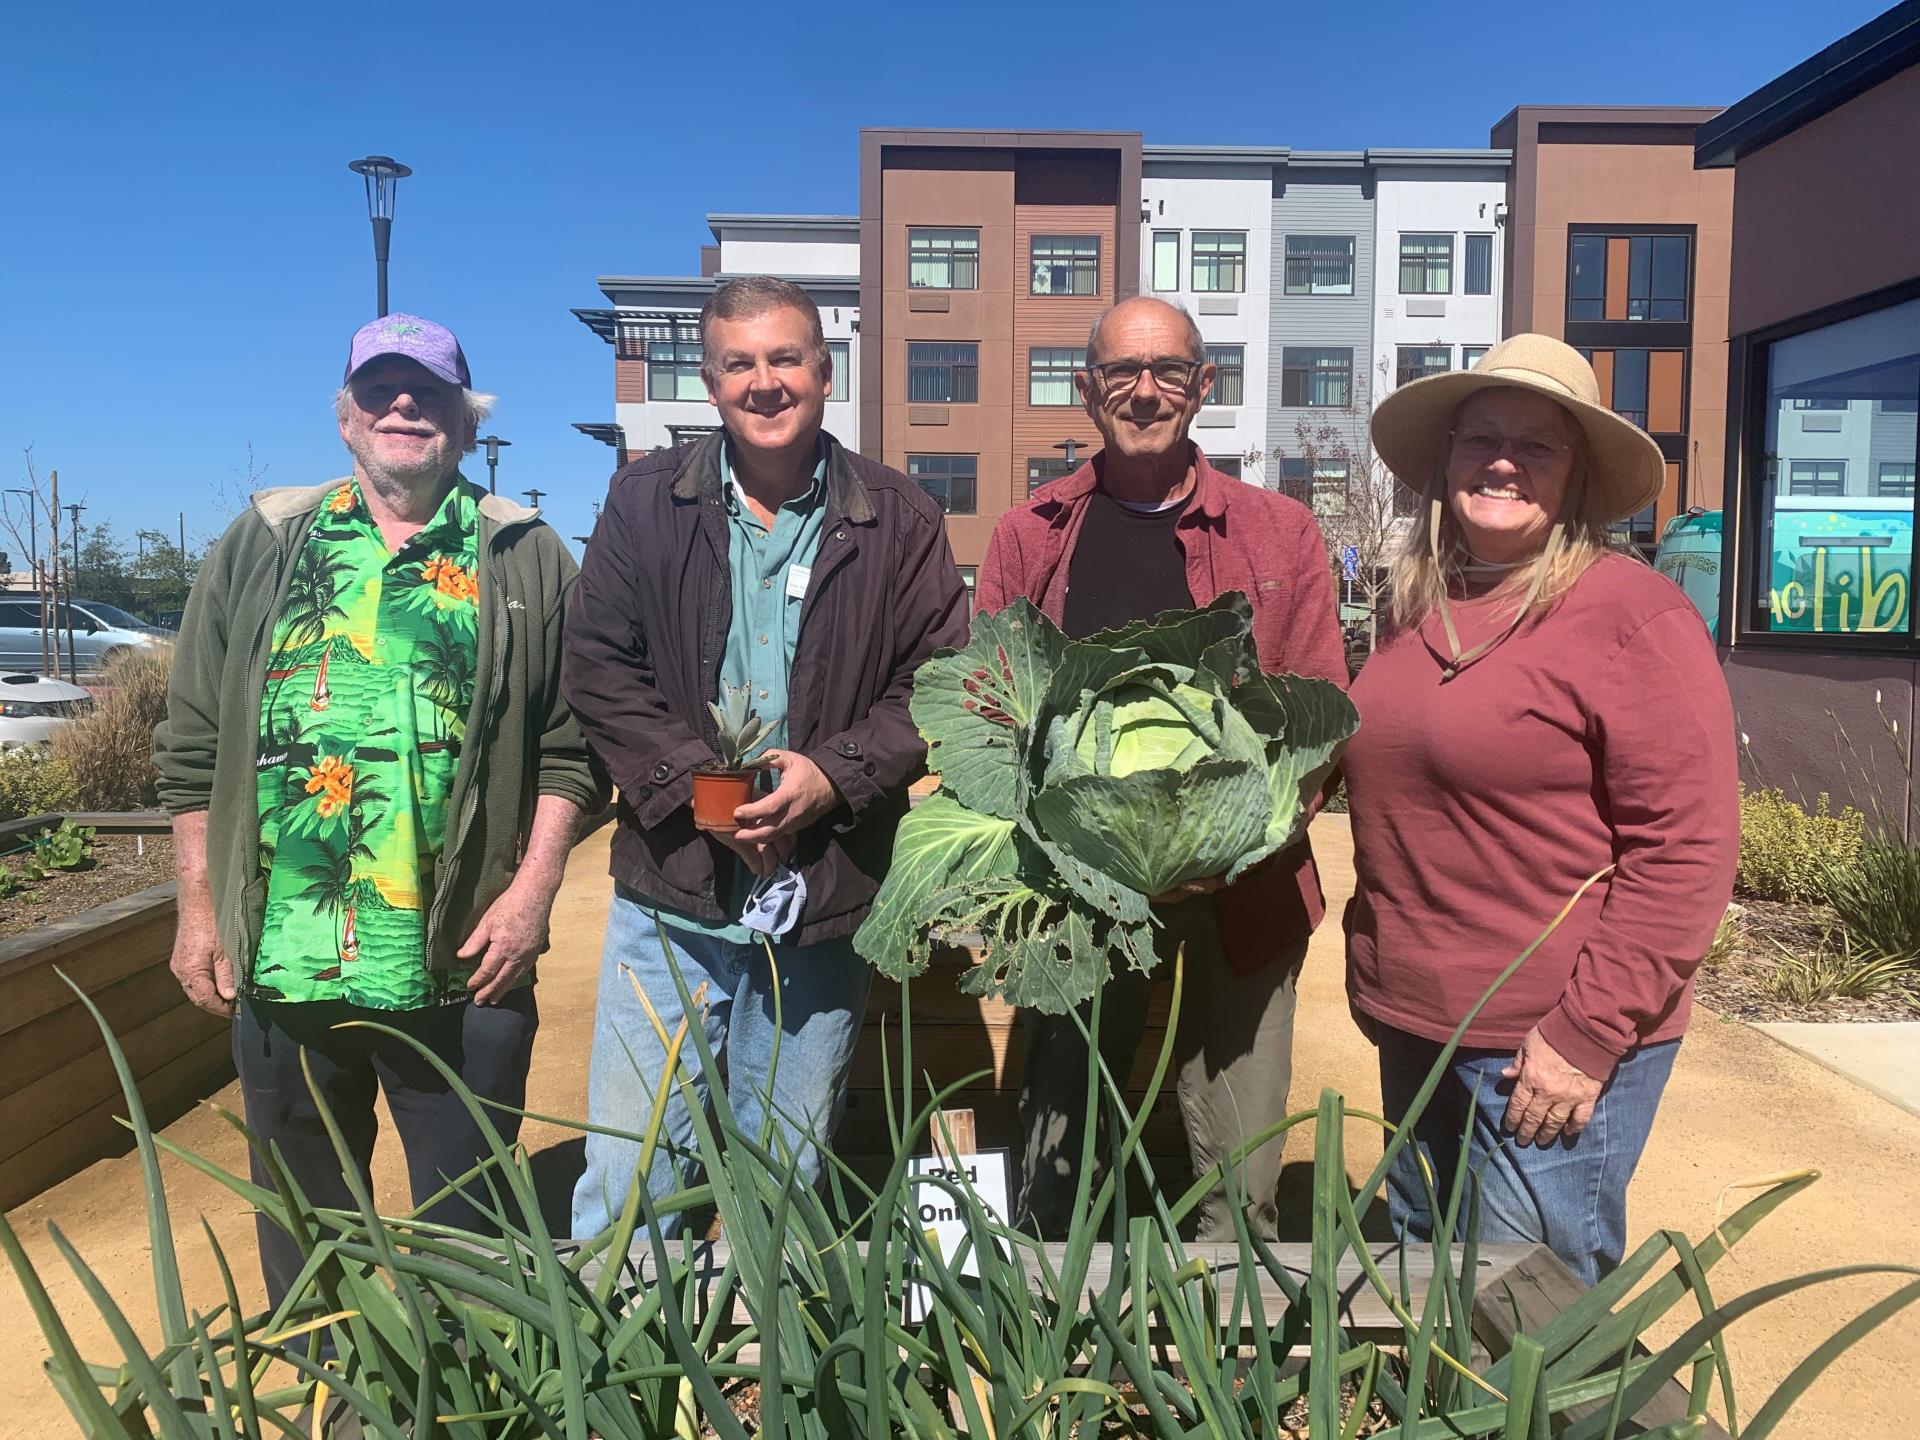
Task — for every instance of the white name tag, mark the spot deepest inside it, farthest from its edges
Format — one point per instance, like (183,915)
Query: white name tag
(797,578)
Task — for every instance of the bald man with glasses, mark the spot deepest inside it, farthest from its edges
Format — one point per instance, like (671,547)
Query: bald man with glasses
(1145,526)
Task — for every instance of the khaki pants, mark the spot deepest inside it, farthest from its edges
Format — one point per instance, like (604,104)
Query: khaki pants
(1233,1058)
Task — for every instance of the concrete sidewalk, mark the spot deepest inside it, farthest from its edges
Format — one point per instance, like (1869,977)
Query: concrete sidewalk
(1739,1108)
(1884,1058)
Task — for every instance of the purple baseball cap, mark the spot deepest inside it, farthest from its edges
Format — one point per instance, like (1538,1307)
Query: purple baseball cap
(419,340)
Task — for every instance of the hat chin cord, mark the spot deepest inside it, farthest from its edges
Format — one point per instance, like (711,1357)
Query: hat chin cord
(1436,506)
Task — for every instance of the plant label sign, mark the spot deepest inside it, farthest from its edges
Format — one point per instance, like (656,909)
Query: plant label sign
(943,1215)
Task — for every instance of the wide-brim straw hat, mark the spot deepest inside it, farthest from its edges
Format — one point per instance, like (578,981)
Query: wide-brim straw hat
(1411,427)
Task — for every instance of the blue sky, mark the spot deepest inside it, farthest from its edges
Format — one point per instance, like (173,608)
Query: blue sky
(185,252)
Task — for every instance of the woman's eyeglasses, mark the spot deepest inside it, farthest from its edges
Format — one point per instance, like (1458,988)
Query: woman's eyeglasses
(1478,443)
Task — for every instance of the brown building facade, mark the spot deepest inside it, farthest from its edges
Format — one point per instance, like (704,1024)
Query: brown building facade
(984,258)
(1823,440)
(1619,246)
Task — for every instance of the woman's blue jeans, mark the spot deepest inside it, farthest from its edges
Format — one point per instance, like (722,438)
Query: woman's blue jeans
(1570,1196)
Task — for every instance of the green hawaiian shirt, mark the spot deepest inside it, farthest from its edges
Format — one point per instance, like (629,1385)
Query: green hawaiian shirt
(369,682)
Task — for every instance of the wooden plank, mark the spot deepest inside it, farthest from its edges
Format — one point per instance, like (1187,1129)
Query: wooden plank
(126,822)
(167,1093)
(957,1126)
(1362,1310)
(56,1098)
(45,1044)
(1532,1292)
(94,948)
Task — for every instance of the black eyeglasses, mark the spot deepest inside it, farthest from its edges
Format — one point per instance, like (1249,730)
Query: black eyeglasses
(1169,375)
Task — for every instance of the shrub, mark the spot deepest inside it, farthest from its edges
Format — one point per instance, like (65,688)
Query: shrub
(1834,971)
(1877,896)
(447,1332)
(1788,854)
(34,782)
(110,751)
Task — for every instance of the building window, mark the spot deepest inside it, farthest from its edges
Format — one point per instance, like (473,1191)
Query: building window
(1426,264)
(943,259)
(1833,541)
(1319,485)
(1470,355)
(943,372)
(1416,362)
(1066,264)
(673,370)
(950,479)
(840,354)
(1647,387)
(1820,402)
(1894,478)
(1220,260)
(1316,376)
(1479,277)
(1627,277)
(1042,472)
(1227,464)
(1817,477)
(969,574)
(1319,265)
(1629,400)
(1229,374)
(1166,260)
(1050,374)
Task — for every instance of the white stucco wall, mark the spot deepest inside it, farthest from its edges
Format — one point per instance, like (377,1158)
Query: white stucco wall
(1458,201)
(1187,197)
(789,252)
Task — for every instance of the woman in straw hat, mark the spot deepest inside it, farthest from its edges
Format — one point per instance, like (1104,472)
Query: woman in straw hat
(1544,710)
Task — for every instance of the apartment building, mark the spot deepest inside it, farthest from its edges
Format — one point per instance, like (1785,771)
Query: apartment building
(1618,246)
(653,324)
(984,259)
(959,301)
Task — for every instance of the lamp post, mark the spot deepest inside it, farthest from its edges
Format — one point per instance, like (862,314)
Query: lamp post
(534,495)
(33,524)
(383,174)
(494,446)
(73,513)
(1070,446)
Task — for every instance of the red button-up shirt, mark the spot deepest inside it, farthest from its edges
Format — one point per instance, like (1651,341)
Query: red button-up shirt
(1235,536)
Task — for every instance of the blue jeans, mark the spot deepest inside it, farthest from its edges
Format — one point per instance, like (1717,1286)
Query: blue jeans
(1570,1196)
(823,997)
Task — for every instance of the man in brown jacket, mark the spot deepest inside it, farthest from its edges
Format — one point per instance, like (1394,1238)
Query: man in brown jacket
(766,557)
(1148,525)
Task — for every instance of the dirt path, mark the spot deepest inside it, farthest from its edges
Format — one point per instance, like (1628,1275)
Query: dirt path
(1739,1107)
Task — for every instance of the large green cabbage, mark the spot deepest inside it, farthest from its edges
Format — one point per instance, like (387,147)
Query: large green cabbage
(1081,778)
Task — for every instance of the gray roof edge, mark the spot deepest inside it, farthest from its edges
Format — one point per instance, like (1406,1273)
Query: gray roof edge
(1380,155)
(1217,154)
(732,221)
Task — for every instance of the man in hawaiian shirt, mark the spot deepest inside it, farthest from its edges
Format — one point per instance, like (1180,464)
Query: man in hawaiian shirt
(382,832)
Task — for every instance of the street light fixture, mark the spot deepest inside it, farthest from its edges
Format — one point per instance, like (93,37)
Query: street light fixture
(494,446)
(73,513)
(534,495)
(383,174)
(33,524)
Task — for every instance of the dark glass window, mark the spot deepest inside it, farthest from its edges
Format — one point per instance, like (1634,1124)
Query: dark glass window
(1630,385)
(943,259)
(1226,464)
(1066,265)
(1041,471)
(1319,265)
(1587,278)
(1316,376)
(1229,374)
(1479,277)
(1220,260)
(1426,264)
(943,372)
(1816,477)
(1416,362)
(1657,278)
(951,480)
(673,370)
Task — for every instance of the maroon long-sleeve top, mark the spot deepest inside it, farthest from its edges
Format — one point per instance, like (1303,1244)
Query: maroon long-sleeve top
(1598,734)
(1234,536)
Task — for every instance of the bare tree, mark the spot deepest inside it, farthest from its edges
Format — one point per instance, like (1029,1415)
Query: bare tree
(1362,511)
(25,516)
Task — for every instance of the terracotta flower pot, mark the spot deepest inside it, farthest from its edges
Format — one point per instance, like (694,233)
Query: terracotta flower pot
(717,794)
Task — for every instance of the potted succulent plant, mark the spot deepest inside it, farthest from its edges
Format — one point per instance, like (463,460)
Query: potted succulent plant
(725,785)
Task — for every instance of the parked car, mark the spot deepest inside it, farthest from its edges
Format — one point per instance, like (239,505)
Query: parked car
(100,632)
(33,707)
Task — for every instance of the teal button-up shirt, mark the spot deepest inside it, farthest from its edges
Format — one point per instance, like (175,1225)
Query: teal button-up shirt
(769,569)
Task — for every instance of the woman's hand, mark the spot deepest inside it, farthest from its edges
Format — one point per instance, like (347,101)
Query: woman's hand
(1550,1097)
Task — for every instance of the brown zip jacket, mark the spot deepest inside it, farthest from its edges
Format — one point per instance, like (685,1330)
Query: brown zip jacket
(643,647)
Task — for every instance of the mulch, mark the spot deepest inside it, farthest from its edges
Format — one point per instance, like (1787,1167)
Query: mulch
(122,865)
(1736,986)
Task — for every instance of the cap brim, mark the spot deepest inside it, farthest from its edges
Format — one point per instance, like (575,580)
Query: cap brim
(442,372)
(1410,435)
